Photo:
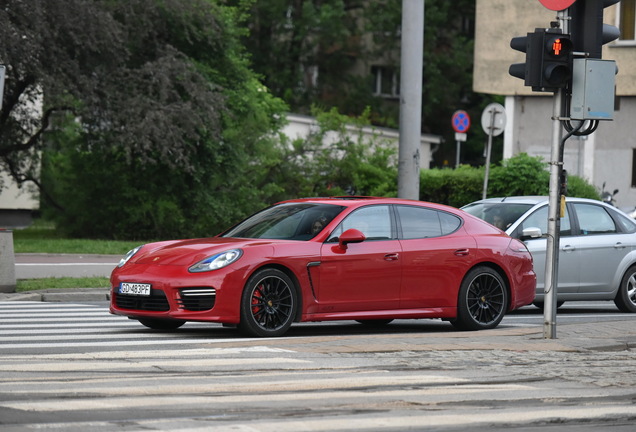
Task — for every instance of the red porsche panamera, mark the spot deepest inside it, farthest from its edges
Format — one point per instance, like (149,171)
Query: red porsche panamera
(345,258)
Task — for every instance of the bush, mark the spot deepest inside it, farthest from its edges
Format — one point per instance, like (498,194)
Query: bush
(519,175)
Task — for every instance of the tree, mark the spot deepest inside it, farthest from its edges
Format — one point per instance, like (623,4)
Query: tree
(321,52)
(151,121)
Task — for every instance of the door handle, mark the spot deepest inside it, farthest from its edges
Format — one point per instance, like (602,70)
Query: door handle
(619,245)
(391,257)
(462,252)
(568,248)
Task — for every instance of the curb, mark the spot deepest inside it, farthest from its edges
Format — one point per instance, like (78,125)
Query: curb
(60,295)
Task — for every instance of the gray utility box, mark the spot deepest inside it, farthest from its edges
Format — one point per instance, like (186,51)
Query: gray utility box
(593,87)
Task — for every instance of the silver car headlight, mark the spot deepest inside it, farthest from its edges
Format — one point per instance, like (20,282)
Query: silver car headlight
(217,261)
(129,255)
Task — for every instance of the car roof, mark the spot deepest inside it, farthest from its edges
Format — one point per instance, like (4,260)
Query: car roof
(529,199)
(357,201)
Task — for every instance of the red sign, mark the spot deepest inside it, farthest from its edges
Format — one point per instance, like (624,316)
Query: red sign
(557,5)
(461,121)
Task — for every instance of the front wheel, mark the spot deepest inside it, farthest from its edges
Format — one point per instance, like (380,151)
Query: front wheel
(483,300)
(269,304)
(161,324)
(626,296)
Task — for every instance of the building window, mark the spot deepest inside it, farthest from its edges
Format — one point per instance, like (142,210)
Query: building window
(385,81)
(627,19)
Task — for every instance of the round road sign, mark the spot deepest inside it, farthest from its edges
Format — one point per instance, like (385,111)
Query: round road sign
(461,121)
(493,119)
(557,5)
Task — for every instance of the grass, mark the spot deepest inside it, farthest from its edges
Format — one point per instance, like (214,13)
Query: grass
(23,285)
(42,237)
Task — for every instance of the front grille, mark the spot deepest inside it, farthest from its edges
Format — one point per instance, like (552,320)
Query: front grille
(197,299)
(156,301)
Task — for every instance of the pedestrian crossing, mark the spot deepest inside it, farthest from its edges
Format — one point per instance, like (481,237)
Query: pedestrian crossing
(75,367)
(66,326)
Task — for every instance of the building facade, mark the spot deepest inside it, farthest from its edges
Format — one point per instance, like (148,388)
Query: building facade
(608,156)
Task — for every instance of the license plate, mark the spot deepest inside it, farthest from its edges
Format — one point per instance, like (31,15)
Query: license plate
(140,289)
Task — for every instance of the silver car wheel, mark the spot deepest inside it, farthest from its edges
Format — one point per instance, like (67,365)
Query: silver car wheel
(626,297)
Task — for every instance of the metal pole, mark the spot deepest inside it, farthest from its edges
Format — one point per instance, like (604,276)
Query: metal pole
(491,129)
(411,99)
(457,153)
(554,221)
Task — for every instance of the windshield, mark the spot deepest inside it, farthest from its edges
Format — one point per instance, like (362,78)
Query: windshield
(292,221)
(499,214)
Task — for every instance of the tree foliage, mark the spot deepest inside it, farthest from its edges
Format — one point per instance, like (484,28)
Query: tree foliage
(321,52)
(152,122)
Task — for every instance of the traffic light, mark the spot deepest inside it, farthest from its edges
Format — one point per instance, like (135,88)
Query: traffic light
(530,71)
(548,65)
(587,30)
(556,65)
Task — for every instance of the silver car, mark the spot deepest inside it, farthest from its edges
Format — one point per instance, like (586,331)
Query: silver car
(597,251)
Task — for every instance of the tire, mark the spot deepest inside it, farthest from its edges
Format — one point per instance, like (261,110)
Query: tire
(269,304)
(375,322)
(161,324)
(482,301)
(625,298)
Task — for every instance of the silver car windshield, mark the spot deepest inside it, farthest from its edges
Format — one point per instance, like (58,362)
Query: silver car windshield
(500,214)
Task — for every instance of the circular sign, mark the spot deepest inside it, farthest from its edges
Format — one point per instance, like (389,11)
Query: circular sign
(557,5)
(461,121)
(493,119)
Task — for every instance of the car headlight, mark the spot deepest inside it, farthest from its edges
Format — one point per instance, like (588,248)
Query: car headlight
(217,261)
(129,255)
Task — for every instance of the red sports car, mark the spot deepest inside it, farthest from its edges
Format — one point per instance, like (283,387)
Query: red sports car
(344,258)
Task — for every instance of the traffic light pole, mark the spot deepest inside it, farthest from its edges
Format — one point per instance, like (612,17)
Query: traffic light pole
(554,222)
(554,208)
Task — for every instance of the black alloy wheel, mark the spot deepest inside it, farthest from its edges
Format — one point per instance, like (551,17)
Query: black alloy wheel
(269,304)
(483,300)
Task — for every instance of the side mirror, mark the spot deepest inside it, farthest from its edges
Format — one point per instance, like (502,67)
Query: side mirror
(531,233)
(351,235)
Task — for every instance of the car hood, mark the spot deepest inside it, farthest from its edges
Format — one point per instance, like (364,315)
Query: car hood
(188,252)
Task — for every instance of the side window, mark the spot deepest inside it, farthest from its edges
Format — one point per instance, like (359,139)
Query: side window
(594,219)
(539,219)
(627,224)
(374,222)
(418,222)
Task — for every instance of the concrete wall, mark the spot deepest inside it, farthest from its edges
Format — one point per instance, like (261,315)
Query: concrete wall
(300,126)
(606,156)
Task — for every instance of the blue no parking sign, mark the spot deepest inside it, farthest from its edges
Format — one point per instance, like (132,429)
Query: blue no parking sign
(461,121)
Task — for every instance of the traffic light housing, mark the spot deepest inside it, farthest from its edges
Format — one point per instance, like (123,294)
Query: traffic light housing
(556,65)
(530,70)
(548,65)
(588,32)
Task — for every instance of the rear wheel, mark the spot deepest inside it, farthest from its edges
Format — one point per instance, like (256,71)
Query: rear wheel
(483,300)
(269,304)
(161,324)
(626,296)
